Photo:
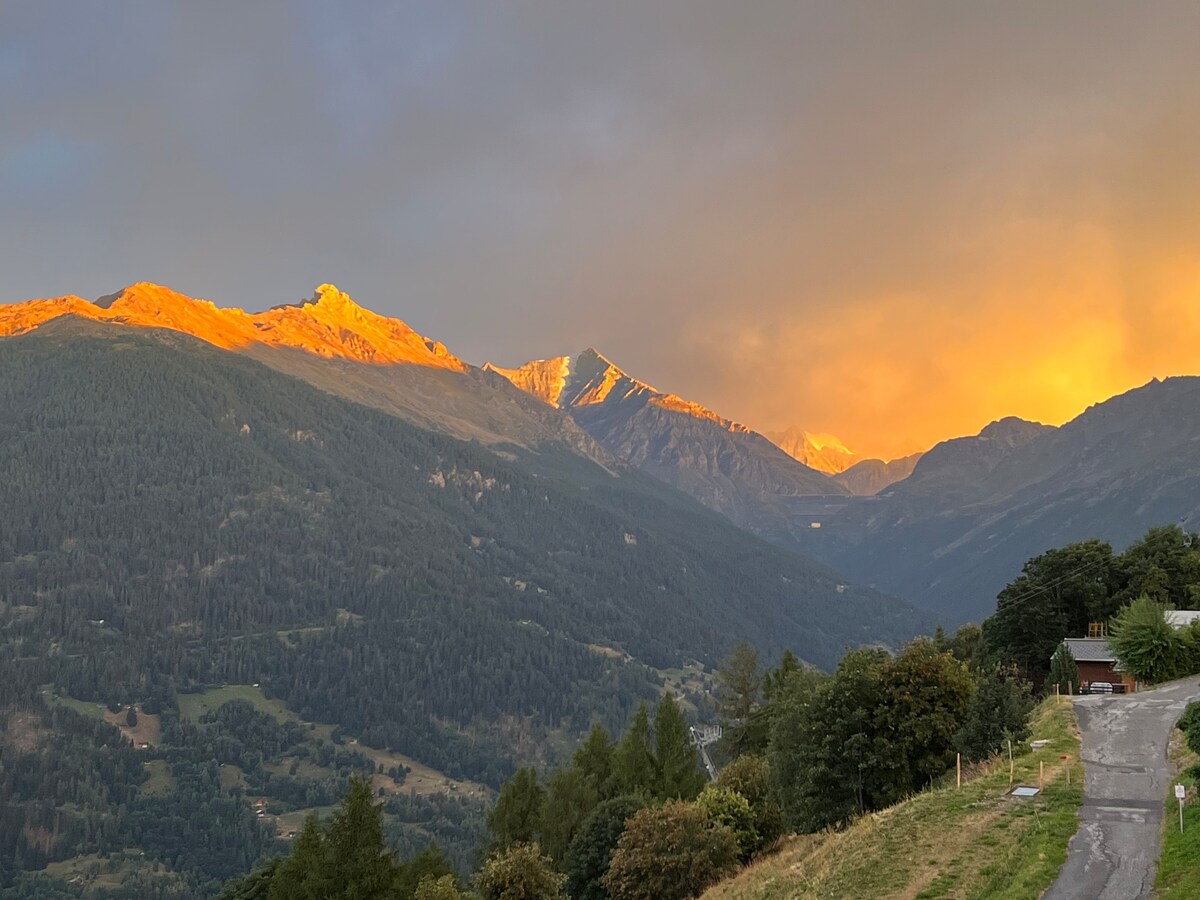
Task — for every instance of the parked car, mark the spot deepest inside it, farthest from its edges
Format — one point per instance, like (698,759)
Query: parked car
(1100,687)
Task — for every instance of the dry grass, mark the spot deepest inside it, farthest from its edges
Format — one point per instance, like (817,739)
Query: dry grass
(148,729)
(970,843)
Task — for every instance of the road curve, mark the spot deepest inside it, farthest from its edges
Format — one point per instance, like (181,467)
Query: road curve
(1114,854)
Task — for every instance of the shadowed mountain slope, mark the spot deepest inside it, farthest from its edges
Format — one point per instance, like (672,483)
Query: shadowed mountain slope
(870,476)
(332,342)
(198,502)
(726,466)
(975,509)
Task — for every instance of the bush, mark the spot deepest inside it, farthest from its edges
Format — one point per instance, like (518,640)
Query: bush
(750,776)
(1189,724)
(670,852)
(520,872)
(729,808)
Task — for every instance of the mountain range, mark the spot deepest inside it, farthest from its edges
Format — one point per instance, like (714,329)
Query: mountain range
(329,458)
(959,528)
(393,560)
(925,527)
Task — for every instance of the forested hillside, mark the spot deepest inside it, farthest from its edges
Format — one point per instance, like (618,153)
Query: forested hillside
(177,517)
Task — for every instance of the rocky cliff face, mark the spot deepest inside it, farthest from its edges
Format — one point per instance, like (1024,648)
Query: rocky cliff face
(724,464)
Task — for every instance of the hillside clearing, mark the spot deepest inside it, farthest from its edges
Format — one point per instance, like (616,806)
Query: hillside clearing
(970,843)
(421,779)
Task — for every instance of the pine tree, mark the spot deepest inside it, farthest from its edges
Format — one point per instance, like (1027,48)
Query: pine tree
(570,796)
(360,865)
(676,765)
(304,874)
(1063,671)
(633,759)
(594,760)
(517,816)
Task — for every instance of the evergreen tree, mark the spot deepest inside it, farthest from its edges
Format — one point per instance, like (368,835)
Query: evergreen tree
(594,760)
(633,758)
(1063,671)
(254,886)
(517,816)
(999,712)
(304,875)
(775,679)
(360,867)
(738,685)
(676,765)
(570,797)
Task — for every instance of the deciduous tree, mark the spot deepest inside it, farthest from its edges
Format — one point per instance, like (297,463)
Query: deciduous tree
(520,872)
(670,852)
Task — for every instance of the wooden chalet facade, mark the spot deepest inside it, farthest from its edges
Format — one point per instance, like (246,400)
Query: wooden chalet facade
(1097,662)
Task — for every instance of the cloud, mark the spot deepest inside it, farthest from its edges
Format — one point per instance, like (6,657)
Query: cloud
(892,222)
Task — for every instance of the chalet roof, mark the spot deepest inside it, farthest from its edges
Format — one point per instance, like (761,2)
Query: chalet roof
(1090,649)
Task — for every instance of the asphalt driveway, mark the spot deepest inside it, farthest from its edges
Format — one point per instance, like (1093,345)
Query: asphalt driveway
(1126,778)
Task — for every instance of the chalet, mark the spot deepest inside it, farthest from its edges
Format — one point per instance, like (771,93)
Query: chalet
(1181,618)
(1097,662)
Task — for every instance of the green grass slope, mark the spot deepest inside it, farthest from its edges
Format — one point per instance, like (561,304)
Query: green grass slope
(976,842)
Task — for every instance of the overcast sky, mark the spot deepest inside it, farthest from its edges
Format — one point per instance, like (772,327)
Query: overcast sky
(893,221)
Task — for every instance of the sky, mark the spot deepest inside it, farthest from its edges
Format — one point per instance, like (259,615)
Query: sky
(892,221)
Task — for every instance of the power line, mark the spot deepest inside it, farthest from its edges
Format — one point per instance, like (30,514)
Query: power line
(1058,581)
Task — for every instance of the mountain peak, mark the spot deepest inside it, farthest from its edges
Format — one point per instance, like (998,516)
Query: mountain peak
(818,450)
(328,295)
(1013,431)
(328,324)
(543,378)
(142,295)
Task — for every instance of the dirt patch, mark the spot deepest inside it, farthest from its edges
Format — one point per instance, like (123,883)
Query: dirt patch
(23,731)
(147,731)
(421,779)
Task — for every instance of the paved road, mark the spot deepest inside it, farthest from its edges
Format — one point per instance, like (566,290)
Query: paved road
(1126,779)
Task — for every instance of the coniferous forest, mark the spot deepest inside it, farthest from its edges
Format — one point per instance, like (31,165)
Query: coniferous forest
(224,592)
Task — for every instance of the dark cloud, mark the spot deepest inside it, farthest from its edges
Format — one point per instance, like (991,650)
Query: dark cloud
(889,221)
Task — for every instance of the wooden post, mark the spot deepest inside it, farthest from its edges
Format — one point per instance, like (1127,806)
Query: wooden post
(1070,688)
(1011,770)
(1041,775)
(958,770)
